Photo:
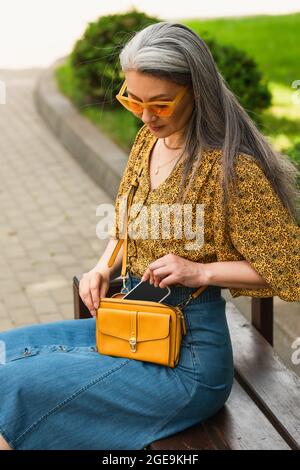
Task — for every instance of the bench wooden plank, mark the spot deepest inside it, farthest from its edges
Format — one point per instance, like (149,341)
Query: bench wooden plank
(273,387)
(194,438)
(239,425)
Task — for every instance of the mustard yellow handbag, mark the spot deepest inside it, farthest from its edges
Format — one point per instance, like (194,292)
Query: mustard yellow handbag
(139,329)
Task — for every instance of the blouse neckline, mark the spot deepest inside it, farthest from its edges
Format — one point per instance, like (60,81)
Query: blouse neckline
(147,169)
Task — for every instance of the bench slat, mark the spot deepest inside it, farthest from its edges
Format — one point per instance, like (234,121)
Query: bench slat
(273,387)
(239,425)
(194,438)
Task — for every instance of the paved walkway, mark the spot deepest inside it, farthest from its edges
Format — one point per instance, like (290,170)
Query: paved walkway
(47,213)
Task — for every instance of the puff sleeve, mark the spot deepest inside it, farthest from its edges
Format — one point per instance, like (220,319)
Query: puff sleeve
(128,174)
(265,234)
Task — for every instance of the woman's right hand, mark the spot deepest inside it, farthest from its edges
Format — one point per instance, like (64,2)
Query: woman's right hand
(93,285)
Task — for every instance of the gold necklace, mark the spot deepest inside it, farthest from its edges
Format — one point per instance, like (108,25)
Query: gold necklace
(171,148)
(157,168)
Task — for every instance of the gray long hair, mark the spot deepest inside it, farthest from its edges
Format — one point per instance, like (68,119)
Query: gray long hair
(218,121)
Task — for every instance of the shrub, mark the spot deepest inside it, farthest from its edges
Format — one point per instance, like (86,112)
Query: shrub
(242,76)
(95,57)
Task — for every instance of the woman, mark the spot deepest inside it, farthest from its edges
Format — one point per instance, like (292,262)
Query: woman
(57,392)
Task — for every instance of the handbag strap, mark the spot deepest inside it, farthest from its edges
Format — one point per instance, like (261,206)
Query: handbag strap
(117,248)
(124,240)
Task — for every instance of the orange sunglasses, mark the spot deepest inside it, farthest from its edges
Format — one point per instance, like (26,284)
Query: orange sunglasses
(158,108)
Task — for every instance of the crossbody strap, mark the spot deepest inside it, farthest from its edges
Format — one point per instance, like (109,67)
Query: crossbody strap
(117,248)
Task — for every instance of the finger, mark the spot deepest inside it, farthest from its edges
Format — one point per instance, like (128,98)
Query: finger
(95,283)
(88,301)
(167,281)
(161,273)
(146,275)
(151,277)
(149,273)
(104,288)
(158,262)
(156,279)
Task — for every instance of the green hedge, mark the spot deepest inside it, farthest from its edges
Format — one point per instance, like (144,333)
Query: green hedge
(95,57)
(242,76)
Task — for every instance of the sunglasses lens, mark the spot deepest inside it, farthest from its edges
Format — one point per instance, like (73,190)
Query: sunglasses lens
(131,106)
(162,110)
(135,107)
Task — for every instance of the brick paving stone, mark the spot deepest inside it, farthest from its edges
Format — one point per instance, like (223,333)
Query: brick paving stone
(6,273)
(9,287)
(6,324)
(27,277)
(44,304)
(50,317)
(46,269)
(63,294)
(70,271)
(15,300)
(3,310)
(67,310)
(21,316)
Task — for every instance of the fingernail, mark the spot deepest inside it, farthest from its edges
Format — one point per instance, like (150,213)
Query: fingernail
(96,305)
(93,312)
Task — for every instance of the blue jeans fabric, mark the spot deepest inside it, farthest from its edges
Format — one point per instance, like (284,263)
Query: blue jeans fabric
(58,392)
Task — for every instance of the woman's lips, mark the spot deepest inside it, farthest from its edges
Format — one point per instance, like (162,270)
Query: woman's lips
(155,128)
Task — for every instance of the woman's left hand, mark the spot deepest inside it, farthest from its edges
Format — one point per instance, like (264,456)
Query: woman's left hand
(173,269)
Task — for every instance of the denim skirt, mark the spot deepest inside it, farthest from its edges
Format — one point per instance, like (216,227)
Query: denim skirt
(58,392)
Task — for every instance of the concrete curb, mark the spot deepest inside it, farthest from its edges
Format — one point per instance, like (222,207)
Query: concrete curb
(103,160)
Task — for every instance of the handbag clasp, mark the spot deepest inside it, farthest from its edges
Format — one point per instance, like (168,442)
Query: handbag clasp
(132,343)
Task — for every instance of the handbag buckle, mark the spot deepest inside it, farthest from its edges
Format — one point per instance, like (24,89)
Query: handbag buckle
(185,302)
(132,343)
(125,289)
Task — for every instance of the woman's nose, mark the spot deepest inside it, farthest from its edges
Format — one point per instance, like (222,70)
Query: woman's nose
(147,116)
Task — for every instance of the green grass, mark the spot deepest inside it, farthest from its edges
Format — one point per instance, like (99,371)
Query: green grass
(281,122)
(271,40)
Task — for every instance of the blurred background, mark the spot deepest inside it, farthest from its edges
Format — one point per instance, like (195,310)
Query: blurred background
(34,33)
(48,198)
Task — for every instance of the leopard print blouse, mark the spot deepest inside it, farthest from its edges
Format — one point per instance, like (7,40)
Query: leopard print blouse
(258,229)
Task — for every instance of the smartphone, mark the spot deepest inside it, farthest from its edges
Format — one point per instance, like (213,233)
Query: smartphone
(146,291)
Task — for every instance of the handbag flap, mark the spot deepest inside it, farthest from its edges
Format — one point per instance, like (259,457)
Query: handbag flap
(149,325)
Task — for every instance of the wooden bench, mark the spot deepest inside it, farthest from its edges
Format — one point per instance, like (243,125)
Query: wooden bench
(263,410)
